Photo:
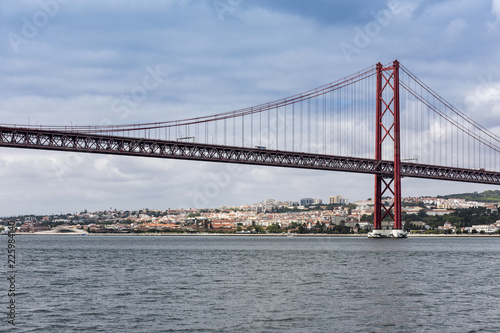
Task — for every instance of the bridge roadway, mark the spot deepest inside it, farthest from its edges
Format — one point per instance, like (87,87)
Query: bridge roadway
(31,138)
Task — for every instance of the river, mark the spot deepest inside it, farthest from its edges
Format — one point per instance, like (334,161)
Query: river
(254,284)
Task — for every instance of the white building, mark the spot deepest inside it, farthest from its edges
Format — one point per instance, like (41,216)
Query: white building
(317,201)
(487,228)
(337,199)
(439,212)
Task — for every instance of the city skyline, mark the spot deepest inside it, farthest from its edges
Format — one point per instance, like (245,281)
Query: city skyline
(424,213)
(268,203)
(200,58)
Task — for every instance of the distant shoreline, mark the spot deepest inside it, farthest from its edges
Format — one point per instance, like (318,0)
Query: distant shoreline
(83,233)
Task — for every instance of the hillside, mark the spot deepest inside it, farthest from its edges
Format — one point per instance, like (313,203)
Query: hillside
(486,196)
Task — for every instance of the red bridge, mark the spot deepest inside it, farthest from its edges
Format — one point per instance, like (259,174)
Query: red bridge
(382,120)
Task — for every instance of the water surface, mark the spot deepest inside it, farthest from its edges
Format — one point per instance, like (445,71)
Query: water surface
(255,284)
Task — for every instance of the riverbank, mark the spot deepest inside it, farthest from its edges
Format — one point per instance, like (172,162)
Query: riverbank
(80,232)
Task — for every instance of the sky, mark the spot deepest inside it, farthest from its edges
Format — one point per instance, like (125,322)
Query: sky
(69,62)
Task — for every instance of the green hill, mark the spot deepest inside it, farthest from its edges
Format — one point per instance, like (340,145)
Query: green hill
(486,196)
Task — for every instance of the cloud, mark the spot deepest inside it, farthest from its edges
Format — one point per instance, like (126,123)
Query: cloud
(496,8)
(82,61)
(455,29)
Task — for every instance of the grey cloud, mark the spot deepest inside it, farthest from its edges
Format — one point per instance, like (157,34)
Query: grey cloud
(92,52)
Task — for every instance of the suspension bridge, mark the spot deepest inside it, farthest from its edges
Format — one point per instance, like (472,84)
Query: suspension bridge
(382,120)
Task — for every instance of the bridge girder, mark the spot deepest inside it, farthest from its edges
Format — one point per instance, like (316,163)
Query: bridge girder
(90,143)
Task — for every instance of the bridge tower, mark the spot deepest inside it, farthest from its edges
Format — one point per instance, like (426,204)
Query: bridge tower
(387,134)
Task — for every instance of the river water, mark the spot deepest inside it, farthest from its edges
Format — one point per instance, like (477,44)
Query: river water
(254,284)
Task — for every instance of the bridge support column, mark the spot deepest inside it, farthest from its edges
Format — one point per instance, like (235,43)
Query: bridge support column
(387,130)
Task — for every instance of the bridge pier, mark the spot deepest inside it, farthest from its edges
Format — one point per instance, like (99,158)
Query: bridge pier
(387,129)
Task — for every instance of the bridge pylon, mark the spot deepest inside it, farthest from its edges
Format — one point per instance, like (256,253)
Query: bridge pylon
(387,137)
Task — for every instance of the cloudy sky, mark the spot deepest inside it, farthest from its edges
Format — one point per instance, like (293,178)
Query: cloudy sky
(68,62)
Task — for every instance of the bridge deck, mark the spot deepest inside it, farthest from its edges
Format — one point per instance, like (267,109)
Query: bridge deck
(116,145)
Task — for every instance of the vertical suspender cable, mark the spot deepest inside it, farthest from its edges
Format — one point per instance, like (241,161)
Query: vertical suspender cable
(277,137)
(269,127)
(309,126)
(293,126)
(260,128)
(284,122)
(251,129)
